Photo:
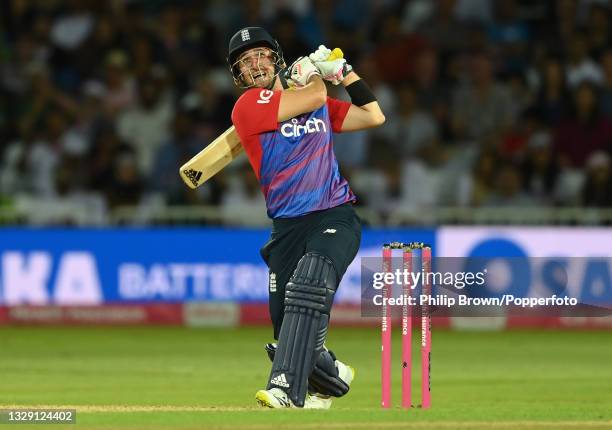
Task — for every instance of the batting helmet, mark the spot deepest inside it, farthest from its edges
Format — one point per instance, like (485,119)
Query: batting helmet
(252,37)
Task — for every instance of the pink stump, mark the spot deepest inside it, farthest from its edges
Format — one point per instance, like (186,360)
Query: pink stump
(407,336)
(386,334)
(426,335)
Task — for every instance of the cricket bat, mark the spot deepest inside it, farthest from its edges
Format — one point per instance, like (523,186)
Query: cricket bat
(220,152)
(212,159)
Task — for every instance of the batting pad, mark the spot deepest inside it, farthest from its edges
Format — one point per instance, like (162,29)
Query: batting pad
(308,298)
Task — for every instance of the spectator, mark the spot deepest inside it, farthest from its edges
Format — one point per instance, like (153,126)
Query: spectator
(168,28)
(432,93)
(553,99)
(585,131)
(146,126)
(394,49)
(250,13)
(511,34)
(287,30)
(243,196)
(142,50)
(22,59)
(179,148)
(520,96)
(175,51)
(443,29)
(44,97)
(424,177)
(104,38)
(481,184)
(317,21)
(514,144)
(15,167)
(126,185)
(88,120)
(353,149)
(540,168)
(105,149)
(120,91)
(73,25)
(30,163)
(474,10)
(212,106)
(580,66)
(605,96)
(565,24)
(201,37)
(598,29)
(482,107)
(508,190)
(411,128)
(369,71)
(597,189)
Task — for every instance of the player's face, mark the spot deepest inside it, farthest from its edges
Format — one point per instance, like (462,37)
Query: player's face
(256,67)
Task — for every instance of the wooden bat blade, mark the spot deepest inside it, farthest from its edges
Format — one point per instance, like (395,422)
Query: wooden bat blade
(212,159)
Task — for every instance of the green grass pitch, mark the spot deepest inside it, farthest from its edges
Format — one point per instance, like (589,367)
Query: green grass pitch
(179,378)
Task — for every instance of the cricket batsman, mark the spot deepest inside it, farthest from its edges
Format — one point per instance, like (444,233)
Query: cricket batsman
(286,122)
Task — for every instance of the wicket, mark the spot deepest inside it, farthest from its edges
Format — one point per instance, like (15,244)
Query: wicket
(413,254)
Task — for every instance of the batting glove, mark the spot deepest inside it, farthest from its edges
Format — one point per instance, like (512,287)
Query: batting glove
(301,71)
(332,69)
(321,54)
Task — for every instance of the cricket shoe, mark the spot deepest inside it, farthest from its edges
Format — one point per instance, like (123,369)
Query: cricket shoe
(345,372)
(317,401)
(275,398)
(321,401)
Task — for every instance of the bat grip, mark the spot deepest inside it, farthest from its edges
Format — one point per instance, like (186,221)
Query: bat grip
(335,54)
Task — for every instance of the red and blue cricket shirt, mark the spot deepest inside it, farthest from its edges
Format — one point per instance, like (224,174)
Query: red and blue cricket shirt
(293,160)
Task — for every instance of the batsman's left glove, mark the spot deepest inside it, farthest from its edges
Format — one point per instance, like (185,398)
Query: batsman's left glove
(332,68)
(301,71)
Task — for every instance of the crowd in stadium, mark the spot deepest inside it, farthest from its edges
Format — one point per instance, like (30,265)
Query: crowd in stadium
(502,103)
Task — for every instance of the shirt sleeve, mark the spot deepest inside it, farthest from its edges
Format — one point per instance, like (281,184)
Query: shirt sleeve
(256,111)
(337,112)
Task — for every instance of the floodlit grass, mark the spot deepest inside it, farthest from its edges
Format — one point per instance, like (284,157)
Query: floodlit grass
(206,378)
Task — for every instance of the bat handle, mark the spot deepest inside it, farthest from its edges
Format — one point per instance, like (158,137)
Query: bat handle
(335,54)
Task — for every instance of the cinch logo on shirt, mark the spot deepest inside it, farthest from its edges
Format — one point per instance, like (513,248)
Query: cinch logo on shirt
(314,125)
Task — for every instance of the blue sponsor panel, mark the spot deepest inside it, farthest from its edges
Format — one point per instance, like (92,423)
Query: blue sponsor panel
(136,265)
(536,262)
(70,267)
